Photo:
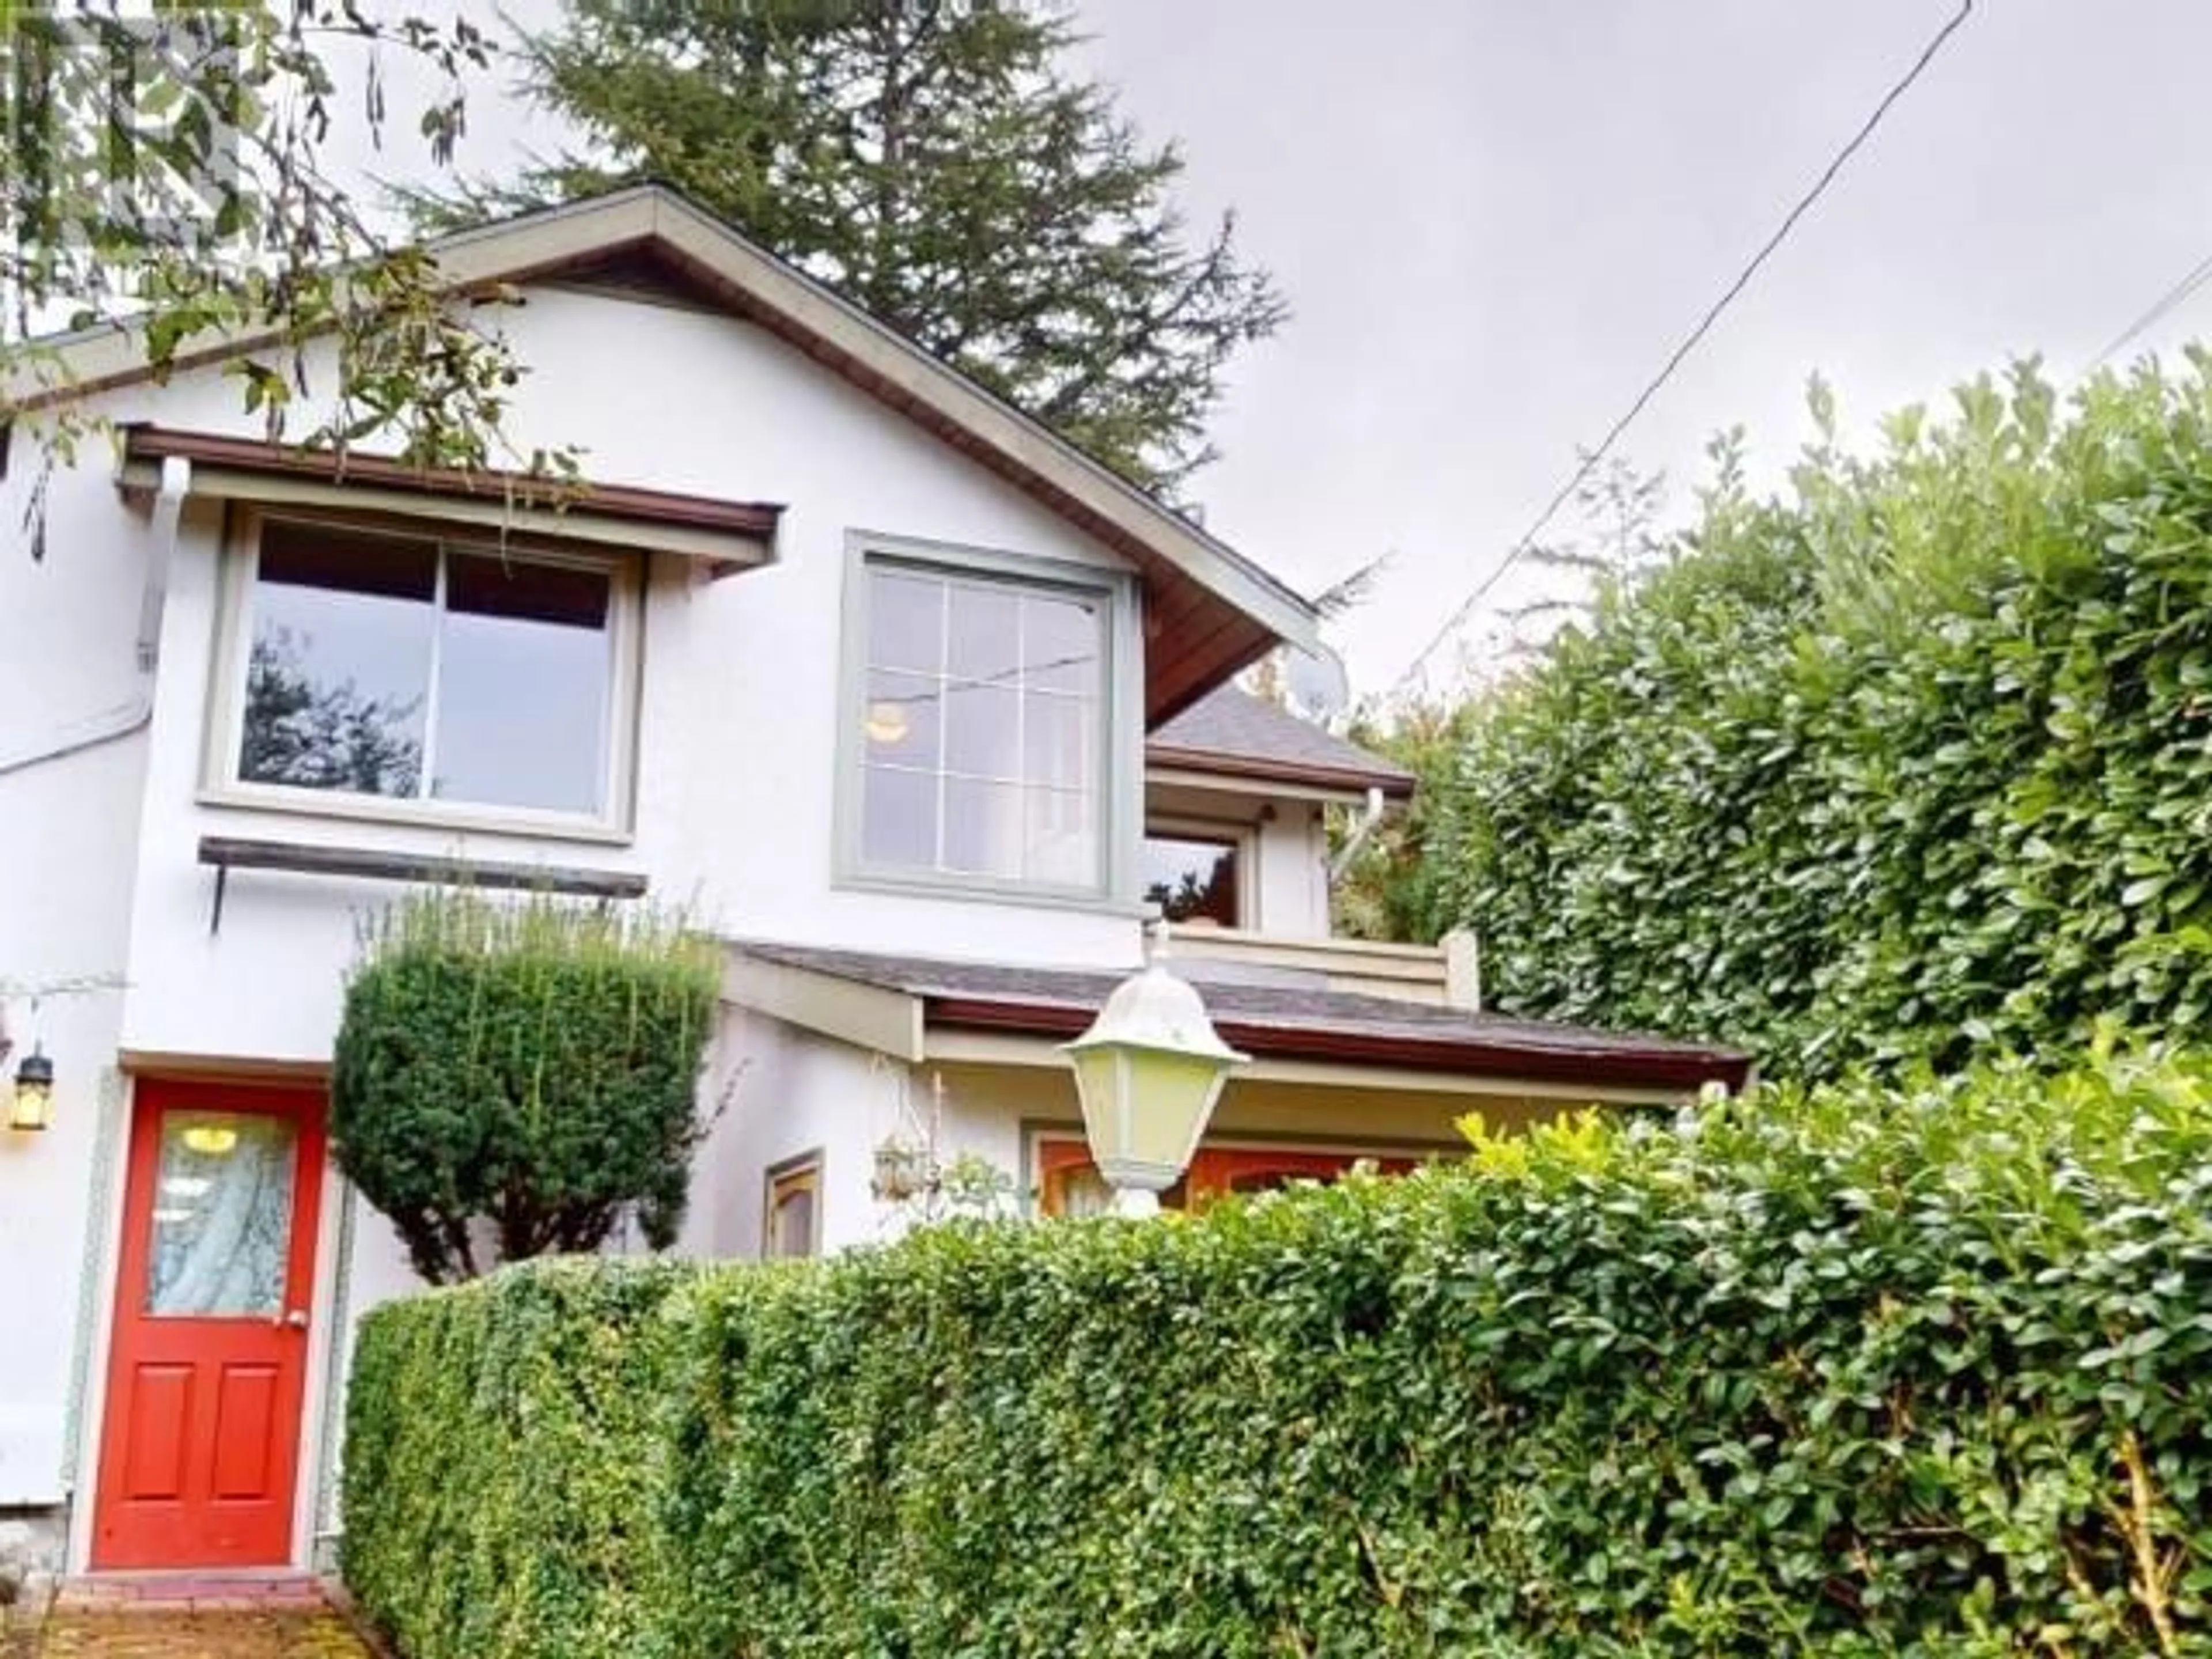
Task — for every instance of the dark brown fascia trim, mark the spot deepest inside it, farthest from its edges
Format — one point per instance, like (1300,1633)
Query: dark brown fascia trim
(757,519)
(1396,785)
(1627,1066)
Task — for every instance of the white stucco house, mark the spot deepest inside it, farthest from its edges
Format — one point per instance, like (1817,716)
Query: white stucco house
(920,708)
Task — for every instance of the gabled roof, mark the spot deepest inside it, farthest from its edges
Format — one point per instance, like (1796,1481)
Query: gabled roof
(1210,611)
(1228,733)
(1286,1021)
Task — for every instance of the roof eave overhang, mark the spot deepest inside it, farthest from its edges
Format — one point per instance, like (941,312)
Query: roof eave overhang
(1164,762)
(952,1046)
(902,1023)
(871,1017)
(1210,613)
(1667,1070)
(723,536)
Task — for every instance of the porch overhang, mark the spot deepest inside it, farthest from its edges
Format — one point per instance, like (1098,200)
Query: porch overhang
(1168,765)
(1164,769)
(881,1020)
(725,537)
(919,1009)
(952,1045)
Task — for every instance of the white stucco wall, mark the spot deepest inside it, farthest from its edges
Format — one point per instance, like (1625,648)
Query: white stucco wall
(737,751)
(736,770)
(737,757)
(786,1093)
(73,753)
(64,915)
(684,400)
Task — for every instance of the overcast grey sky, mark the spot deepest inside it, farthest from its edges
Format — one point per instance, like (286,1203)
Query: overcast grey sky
(1493,219)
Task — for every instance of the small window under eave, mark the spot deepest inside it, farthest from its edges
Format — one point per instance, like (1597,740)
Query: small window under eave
(724,537)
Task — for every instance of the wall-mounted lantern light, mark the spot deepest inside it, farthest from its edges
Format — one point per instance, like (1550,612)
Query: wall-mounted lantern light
(27,1102)
(31,1110)
(1149,1072)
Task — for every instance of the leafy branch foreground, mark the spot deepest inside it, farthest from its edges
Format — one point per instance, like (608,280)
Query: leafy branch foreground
(171,181)
(1853,1372)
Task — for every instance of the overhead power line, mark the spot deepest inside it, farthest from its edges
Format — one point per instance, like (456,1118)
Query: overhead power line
(1592,458)
(2160,308)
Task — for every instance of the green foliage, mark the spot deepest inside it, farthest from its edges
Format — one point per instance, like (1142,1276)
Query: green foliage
(940,165)
(167,175)
(505,1435)
(1852,1373)
(1915,761)
(1392,888)
(1389,890)
(321,736)
(527,1071)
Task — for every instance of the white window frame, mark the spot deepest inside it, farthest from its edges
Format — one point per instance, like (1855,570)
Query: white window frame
(1120,781)
(221,786)
(1244,837)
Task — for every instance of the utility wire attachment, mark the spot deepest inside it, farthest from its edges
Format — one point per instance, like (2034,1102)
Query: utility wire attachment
(2160,310)
(1591,457)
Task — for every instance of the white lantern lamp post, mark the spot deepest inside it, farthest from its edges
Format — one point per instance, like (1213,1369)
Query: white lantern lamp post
(1148,1072)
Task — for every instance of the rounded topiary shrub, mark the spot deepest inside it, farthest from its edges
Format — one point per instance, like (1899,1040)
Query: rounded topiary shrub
(516,1079)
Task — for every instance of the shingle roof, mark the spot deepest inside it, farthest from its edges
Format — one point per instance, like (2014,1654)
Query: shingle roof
(1231,731)
(1293,1015)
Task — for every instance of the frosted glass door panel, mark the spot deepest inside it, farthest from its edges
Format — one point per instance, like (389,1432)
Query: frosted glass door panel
(222,1216)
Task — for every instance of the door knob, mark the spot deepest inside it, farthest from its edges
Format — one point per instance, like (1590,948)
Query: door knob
(297,1319)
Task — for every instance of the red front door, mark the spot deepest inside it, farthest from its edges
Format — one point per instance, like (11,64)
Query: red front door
(201,1447)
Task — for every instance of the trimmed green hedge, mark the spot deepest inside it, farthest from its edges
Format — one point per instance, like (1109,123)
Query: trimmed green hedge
(502,1462)
(1912,760)
(1848,1373)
